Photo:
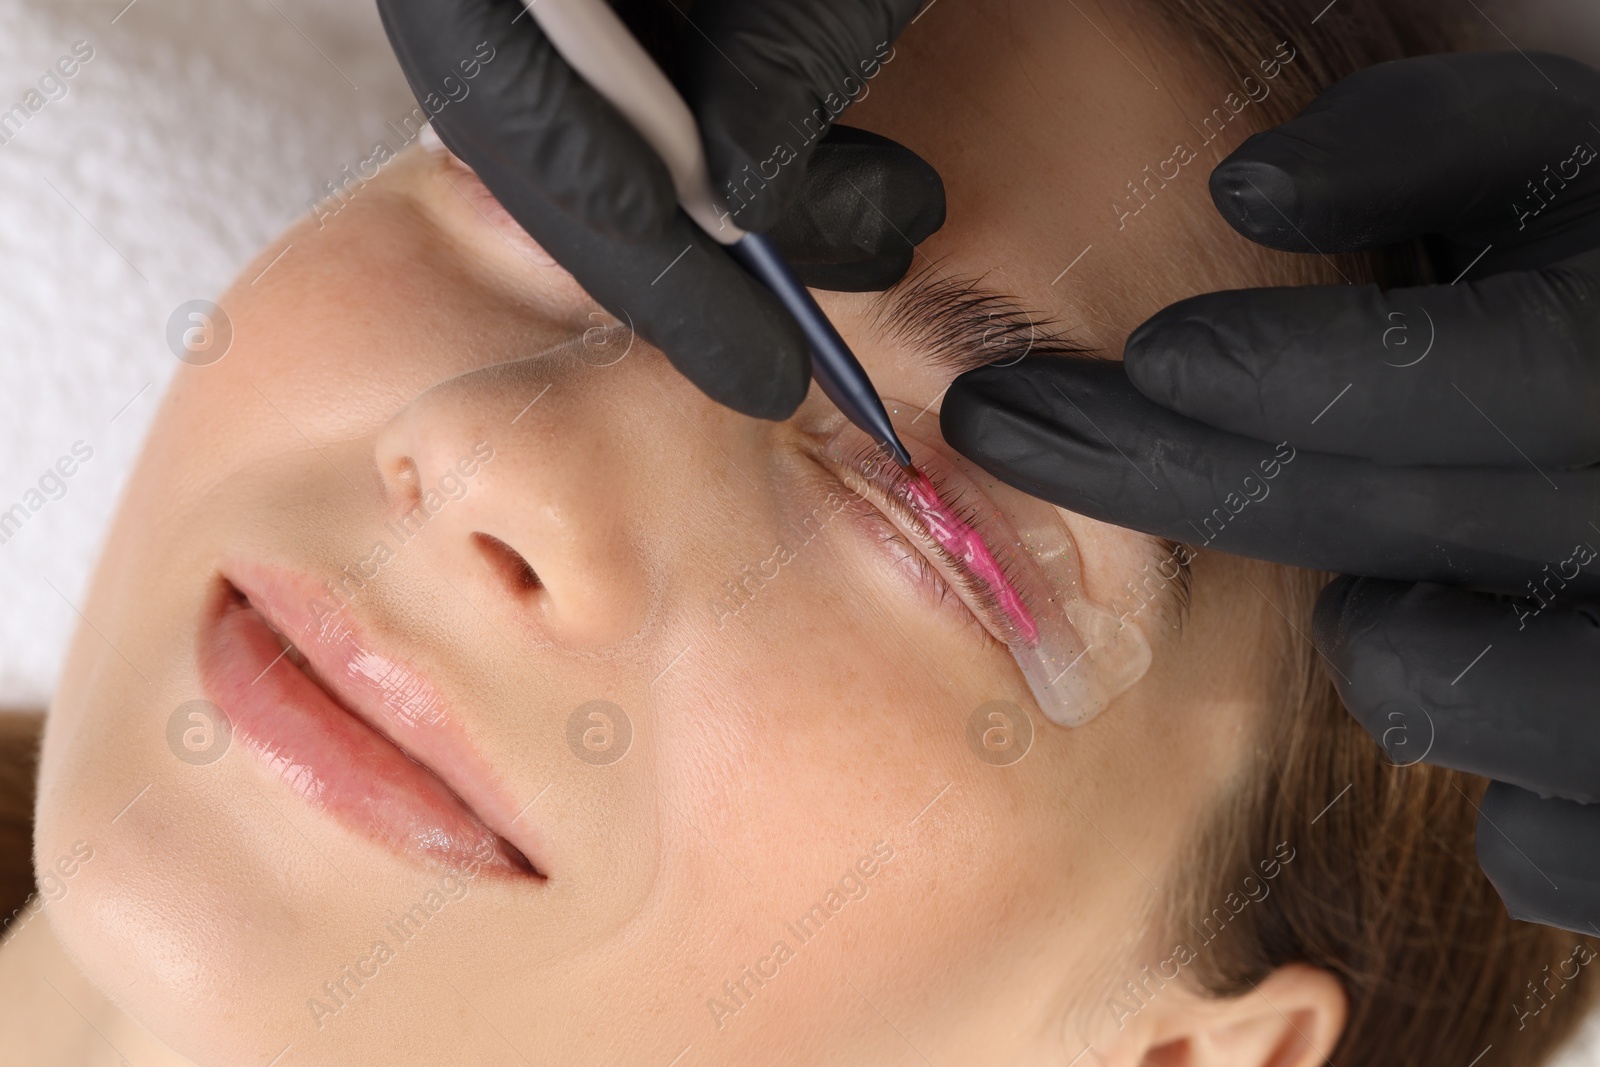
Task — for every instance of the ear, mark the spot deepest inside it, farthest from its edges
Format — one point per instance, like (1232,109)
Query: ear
(1293,1018)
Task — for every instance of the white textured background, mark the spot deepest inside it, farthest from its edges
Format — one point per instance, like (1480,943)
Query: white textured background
(201,129)
(197,132)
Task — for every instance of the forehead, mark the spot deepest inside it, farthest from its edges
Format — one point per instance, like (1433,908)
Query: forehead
(1049,122)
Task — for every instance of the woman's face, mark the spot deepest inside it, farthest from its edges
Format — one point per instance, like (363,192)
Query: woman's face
(697,771)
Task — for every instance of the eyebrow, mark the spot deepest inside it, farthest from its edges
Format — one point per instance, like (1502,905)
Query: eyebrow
(958,323)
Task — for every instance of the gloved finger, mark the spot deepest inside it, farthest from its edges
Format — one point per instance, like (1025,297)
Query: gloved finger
(1502,372)
(766,78)
(863,206)
(1075,432)
(747,352)
(1541,857)
(522,111)
(1447,144)
(720,328)
(1504,689)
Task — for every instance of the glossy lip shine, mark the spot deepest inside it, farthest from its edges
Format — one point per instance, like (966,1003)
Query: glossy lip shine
(375,744)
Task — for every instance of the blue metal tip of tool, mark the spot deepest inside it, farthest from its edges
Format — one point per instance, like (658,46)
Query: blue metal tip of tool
(832,363)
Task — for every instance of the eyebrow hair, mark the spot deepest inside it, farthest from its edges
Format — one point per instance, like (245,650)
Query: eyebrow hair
(1177,601)
(958,323)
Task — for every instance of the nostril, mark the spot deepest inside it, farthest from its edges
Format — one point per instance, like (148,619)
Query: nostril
(507,562)
(403,483)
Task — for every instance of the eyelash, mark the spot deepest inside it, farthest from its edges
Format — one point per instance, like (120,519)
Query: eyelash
(889,484)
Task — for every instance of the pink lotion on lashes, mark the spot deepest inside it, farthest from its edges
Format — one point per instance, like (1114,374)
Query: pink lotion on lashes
(963,542)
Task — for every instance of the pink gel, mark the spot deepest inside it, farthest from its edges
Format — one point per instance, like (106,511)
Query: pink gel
(963,542)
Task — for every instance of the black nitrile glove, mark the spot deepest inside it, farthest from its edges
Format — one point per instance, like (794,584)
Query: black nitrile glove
(765,78)
(1442,442)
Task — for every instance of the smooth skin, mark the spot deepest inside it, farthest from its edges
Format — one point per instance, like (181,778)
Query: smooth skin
(825,722)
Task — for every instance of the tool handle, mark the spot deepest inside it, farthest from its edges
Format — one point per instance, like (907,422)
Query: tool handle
(598,45)
(833,365)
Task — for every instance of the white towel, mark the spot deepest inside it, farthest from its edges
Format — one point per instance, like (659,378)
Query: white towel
(195,132)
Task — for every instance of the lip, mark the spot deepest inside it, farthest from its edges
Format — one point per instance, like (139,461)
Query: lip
(359,734)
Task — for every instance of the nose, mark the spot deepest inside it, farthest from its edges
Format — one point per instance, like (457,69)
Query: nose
(511,493)
(554,484)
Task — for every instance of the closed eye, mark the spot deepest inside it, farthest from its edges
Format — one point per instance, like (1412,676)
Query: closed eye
(943,544)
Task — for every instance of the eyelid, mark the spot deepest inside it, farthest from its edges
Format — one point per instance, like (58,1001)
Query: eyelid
(947,581)
(1075,653)
(469,190)
(884,484)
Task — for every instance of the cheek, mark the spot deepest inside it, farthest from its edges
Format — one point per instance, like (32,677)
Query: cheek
(818,732)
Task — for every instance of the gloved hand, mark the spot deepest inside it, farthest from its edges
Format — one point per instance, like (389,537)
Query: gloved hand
(765,79)
(1441,442)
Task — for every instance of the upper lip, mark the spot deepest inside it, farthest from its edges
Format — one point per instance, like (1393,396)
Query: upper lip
(394,698)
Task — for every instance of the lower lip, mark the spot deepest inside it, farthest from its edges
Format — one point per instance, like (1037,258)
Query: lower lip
(330,757)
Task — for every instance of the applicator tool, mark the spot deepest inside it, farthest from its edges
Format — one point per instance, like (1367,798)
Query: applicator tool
(599,47)
(1075,655)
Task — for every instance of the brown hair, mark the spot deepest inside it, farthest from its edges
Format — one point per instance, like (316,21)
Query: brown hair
(19,768)
(1383,889)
